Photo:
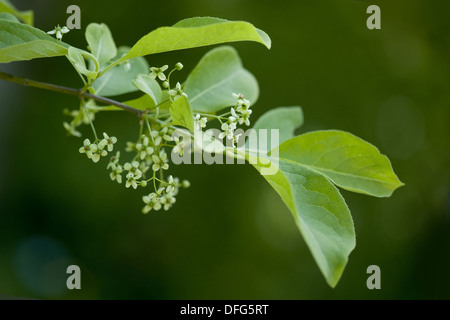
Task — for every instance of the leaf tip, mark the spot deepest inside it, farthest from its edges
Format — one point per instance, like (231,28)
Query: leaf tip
(333,277)
(265,38)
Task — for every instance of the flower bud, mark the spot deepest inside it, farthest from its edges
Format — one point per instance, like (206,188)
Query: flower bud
(179,66)
(186,184)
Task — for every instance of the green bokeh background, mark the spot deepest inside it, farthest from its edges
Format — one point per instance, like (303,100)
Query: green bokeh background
(230,236)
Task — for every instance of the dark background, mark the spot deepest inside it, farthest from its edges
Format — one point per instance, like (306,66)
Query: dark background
(230,236)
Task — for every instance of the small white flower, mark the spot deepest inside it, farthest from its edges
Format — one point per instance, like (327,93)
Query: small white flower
(59,32)
(157,200)
(158,136)
(154,201)
(114,160)
(199,122)
(131,181)
(244,115)
(245,104)
(116,173)
(143,148)
(172,184)
(88,148)
(133,168)
(160,162)
(110,141)
(149,201)
(176,92)
(241,101)
(179,147)
(159,72)
(228,130)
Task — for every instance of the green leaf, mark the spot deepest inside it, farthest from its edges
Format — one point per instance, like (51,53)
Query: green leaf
(348,161)
(196,32)
(101,42)
(285,119)
(181,113)
(145,102)
(8,16)
(118,80)
(216,77)
(308,166)
(20,42)
(320,213)
(76,58)
(150,86)
(25,16)
(142,103)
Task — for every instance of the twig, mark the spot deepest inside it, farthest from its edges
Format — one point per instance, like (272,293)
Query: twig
(70,91)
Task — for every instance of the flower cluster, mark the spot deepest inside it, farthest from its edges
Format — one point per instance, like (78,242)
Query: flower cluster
(98,148)
(240,113)
(164,197)
(150,156)
(149,161)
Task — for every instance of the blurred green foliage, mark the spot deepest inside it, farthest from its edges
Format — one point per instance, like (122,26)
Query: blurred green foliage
(230,236)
